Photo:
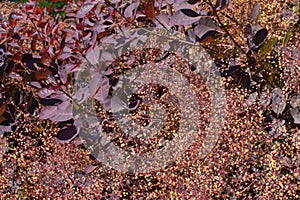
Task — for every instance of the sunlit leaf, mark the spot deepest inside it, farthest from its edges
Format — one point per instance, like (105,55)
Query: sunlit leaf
(90,169)
(206,30)
(255,12)
(295,112)
(93,55)
(295,101)
(58,113)
(179,18)
(163,19)
(267,47)
(37,76)
(286,37)
(86,8)
(150,10)
(131,10)
(278,101)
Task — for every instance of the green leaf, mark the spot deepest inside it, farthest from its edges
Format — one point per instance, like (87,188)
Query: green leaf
(61,13)
(286,37)
(267,47)
(45,3)
(58,4)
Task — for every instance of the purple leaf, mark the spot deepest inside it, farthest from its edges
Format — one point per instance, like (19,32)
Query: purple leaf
(255,12)
(90,169)
(64,112)
(86,8)
(221,4)
(278,101)
(189,12)
(66,134)
(32,105)
(164,19)
(61,112)
(206,29)
(192,1)
(260,36)
(295,112)
(30,61)
(179,18)
(50,102)
(130,11)
(44,93)
(100,93)
(93,55)
(178,5)
(47,112)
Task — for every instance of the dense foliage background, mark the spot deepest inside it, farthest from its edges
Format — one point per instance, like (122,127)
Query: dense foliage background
(255,44)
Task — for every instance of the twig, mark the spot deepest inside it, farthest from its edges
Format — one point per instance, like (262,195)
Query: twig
(110,4)
(37,30)
(209,2)
(232,19)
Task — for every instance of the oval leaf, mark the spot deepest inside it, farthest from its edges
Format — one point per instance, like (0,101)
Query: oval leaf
(189,12)
(179,18)
(67,134)
(260,36)
(278,101)
(267,47)
(149,10)
(255,12)
(295,112)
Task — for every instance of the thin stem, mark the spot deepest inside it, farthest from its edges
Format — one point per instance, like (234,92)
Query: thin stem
(37,30)
(110,4)
(226,31)
(232,19)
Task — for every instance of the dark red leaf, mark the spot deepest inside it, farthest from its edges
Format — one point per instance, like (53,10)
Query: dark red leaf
(2,107)
(8,115)
(149,9)
(37,76)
